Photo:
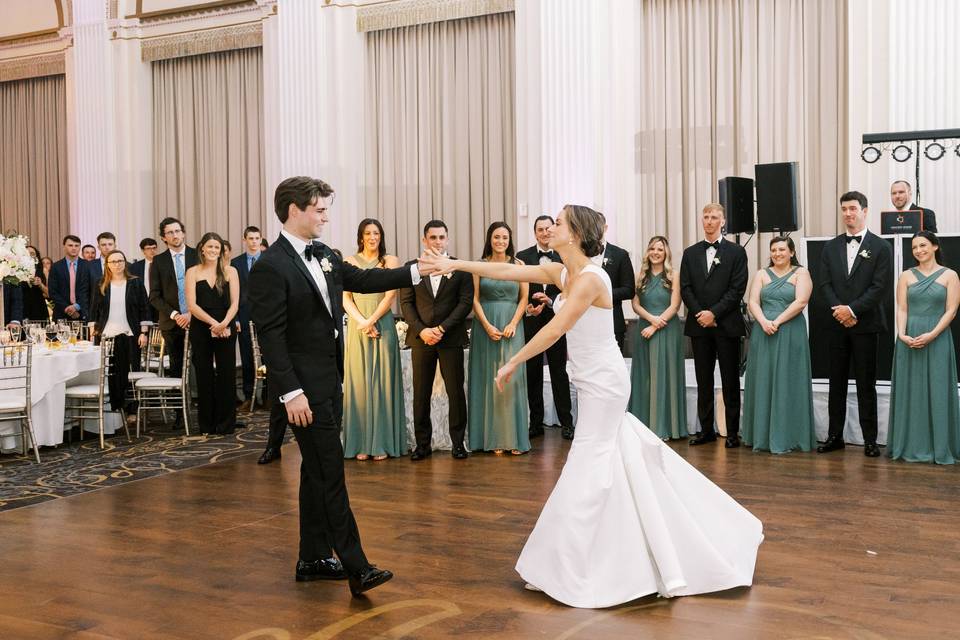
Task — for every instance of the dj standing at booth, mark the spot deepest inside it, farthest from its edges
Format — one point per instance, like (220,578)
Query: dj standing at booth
(853,280)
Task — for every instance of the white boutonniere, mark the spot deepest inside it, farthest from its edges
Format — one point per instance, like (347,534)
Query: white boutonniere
(716,261)
(865,254)
(606,261)
(448,275)
(325,265)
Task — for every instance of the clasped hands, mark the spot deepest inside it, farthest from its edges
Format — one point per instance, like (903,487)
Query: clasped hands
(919,342)
(656,323)
(844,315)
(706,319)
(219,330)
(536,309)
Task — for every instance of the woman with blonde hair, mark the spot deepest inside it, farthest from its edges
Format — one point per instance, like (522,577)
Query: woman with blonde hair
(657,373)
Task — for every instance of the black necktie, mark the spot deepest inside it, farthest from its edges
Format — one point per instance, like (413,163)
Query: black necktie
(715,245)
(853,239)
(312,250)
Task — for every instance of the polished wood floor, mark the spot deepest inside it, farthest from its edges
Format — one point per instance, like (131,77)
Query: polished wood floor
(855,548)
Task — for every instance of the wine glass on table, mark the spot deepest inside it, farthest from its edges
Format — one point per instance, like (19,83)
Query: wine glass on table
(16,333)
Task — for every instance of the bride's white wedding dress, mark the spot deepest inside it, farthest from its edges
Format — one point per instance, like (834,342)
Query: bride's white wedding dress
(628,516)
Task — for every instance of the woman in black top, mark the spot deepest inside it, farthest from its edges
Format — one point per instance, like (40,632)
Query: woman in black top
(35,292)
(119,311)
(213,296)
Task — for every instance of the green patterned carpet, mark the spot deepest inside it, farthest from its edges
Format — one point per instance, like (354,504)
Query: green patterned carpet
(81,467)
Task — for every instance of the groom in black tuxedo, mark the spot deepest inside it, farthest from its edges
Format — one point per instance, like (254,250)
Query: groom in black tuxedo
(713,279)
(539,312)
(436,310)
(854,272)
(295,296)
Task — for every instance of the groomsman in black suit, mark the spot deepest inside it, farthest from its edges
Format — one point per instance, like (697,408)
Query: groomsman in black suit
(296,297)
(539,313)
(141,269)
(436,310)
(243,264)
(855,270)
(616,262)
(69,284)
(901,196)
(713,279)
(167,293)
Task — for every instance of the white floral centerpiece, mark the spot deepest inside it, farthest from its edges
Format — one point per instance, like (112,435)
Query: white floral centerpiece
(16,265)
(402,333)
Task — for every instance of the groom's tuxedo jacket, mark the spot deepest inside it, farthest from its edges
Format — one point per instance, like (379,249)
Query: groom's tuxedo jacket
(720,291)
(864,287)
(301,339)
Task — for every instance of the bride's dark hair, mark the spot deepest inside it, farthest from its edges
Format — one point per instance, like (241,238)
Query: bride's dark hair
(587,225)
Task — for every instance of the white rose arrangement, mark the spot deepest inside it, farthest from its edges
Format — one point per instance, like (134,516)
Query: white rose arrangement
(16,263)
(402,332)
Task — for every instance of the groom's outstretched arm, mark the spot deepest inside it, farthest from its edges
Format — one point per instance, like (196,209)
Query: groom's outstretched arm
(267,296)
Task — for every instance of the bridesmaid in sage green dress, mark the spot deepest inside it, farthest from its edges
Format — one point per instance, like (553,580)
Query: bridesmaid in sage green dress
(924,409)
(778,389)
(373,417)
(497,421)
(658,388)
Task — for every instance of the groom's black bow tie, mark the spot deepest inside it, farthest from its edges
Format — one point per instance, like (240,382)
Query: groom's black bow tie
(715,245)
(544,254)
(853,239)
(313,250)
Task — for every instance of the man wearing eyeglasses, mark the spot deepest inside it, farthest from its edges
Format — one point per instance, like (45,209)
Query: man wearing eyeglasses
(167,293)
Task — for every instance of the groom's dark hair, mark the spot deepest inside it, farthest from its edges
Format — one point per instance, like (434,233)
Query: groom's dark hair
(854,195)
(301,191)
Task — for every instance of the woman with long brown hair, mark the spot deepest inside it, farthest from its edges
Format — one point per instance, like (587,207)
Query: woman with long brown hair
(213,297)
(373,416)
(119,311)
(657,373)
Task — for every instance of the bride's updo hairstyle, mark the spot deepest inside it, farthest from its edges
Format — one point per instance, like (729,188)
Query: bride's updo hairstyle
(586,224)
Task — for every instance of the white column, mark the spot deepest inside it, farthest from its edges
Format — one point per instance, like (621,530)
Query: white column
(109,129)
(314,65)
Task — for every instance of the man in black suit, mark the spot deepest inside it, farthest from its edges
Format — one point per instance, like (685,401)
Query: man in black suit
(141,269)
(539,312)
(243,264)
(167,293)
(436,310)
(296,292)
(69,284)
(901,196)
(713,279)
(855,270)
(616,262)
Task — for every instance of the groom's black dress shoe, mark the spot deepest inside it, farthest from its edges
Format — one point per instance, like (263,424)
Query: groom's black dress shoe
(567,433)
(329,569)
(871,450)
(367,579)
(459,452)
(703,438)
(732,442)
(269,456)
(832,444)
(536,431)
(420,454)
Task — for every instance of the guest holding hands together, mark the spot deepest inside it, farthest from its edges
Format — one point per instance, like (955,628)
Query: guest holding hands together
(657,373)
(924,409)
(497,419)
(778,390)
(213,296)
(373,415)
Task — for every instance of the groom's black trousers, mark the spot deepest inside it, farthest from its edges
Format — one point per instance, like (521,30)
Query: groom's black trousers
(325,517)
(862,349)
(708,350)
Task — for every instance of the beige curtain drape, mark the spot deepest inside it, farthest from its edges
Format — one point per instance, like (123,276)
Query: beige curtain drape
(208,142)
(34,194)
(727,84)
(440,133)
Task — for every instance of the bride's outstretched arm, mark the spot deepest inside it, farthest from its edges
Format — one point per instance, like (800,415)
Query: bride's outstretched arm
(585,291)
(542,273)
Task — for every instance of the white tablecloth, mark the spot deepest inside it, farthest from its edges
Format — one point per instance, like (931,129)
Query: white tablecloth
(52,371)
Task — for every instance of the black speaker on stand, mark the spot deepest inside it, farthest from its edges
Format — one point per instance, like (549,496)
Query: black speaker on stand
(778,206)
(736,196)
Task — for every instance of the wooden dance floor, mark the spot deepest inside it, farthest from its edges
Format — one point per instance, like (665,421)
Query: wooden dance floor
(855,548)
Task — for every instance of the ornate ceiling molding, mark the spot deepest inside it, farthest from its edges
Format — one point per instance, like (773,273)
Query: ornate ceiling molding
(32,67)
(194,43)
(190,11)
(64,15)
(408,13)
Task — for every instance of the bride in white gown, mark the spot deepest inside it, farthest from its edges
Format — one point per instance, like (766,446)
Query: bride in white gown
(628,516)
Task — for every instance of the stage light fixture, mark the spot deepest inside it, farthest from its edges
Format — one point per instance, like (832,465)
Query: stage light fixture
(934,151)
(871,154)
(902,153)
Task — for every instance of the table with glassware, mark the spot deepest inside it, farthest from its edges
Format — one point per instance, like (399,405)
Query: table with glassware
(58,361)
